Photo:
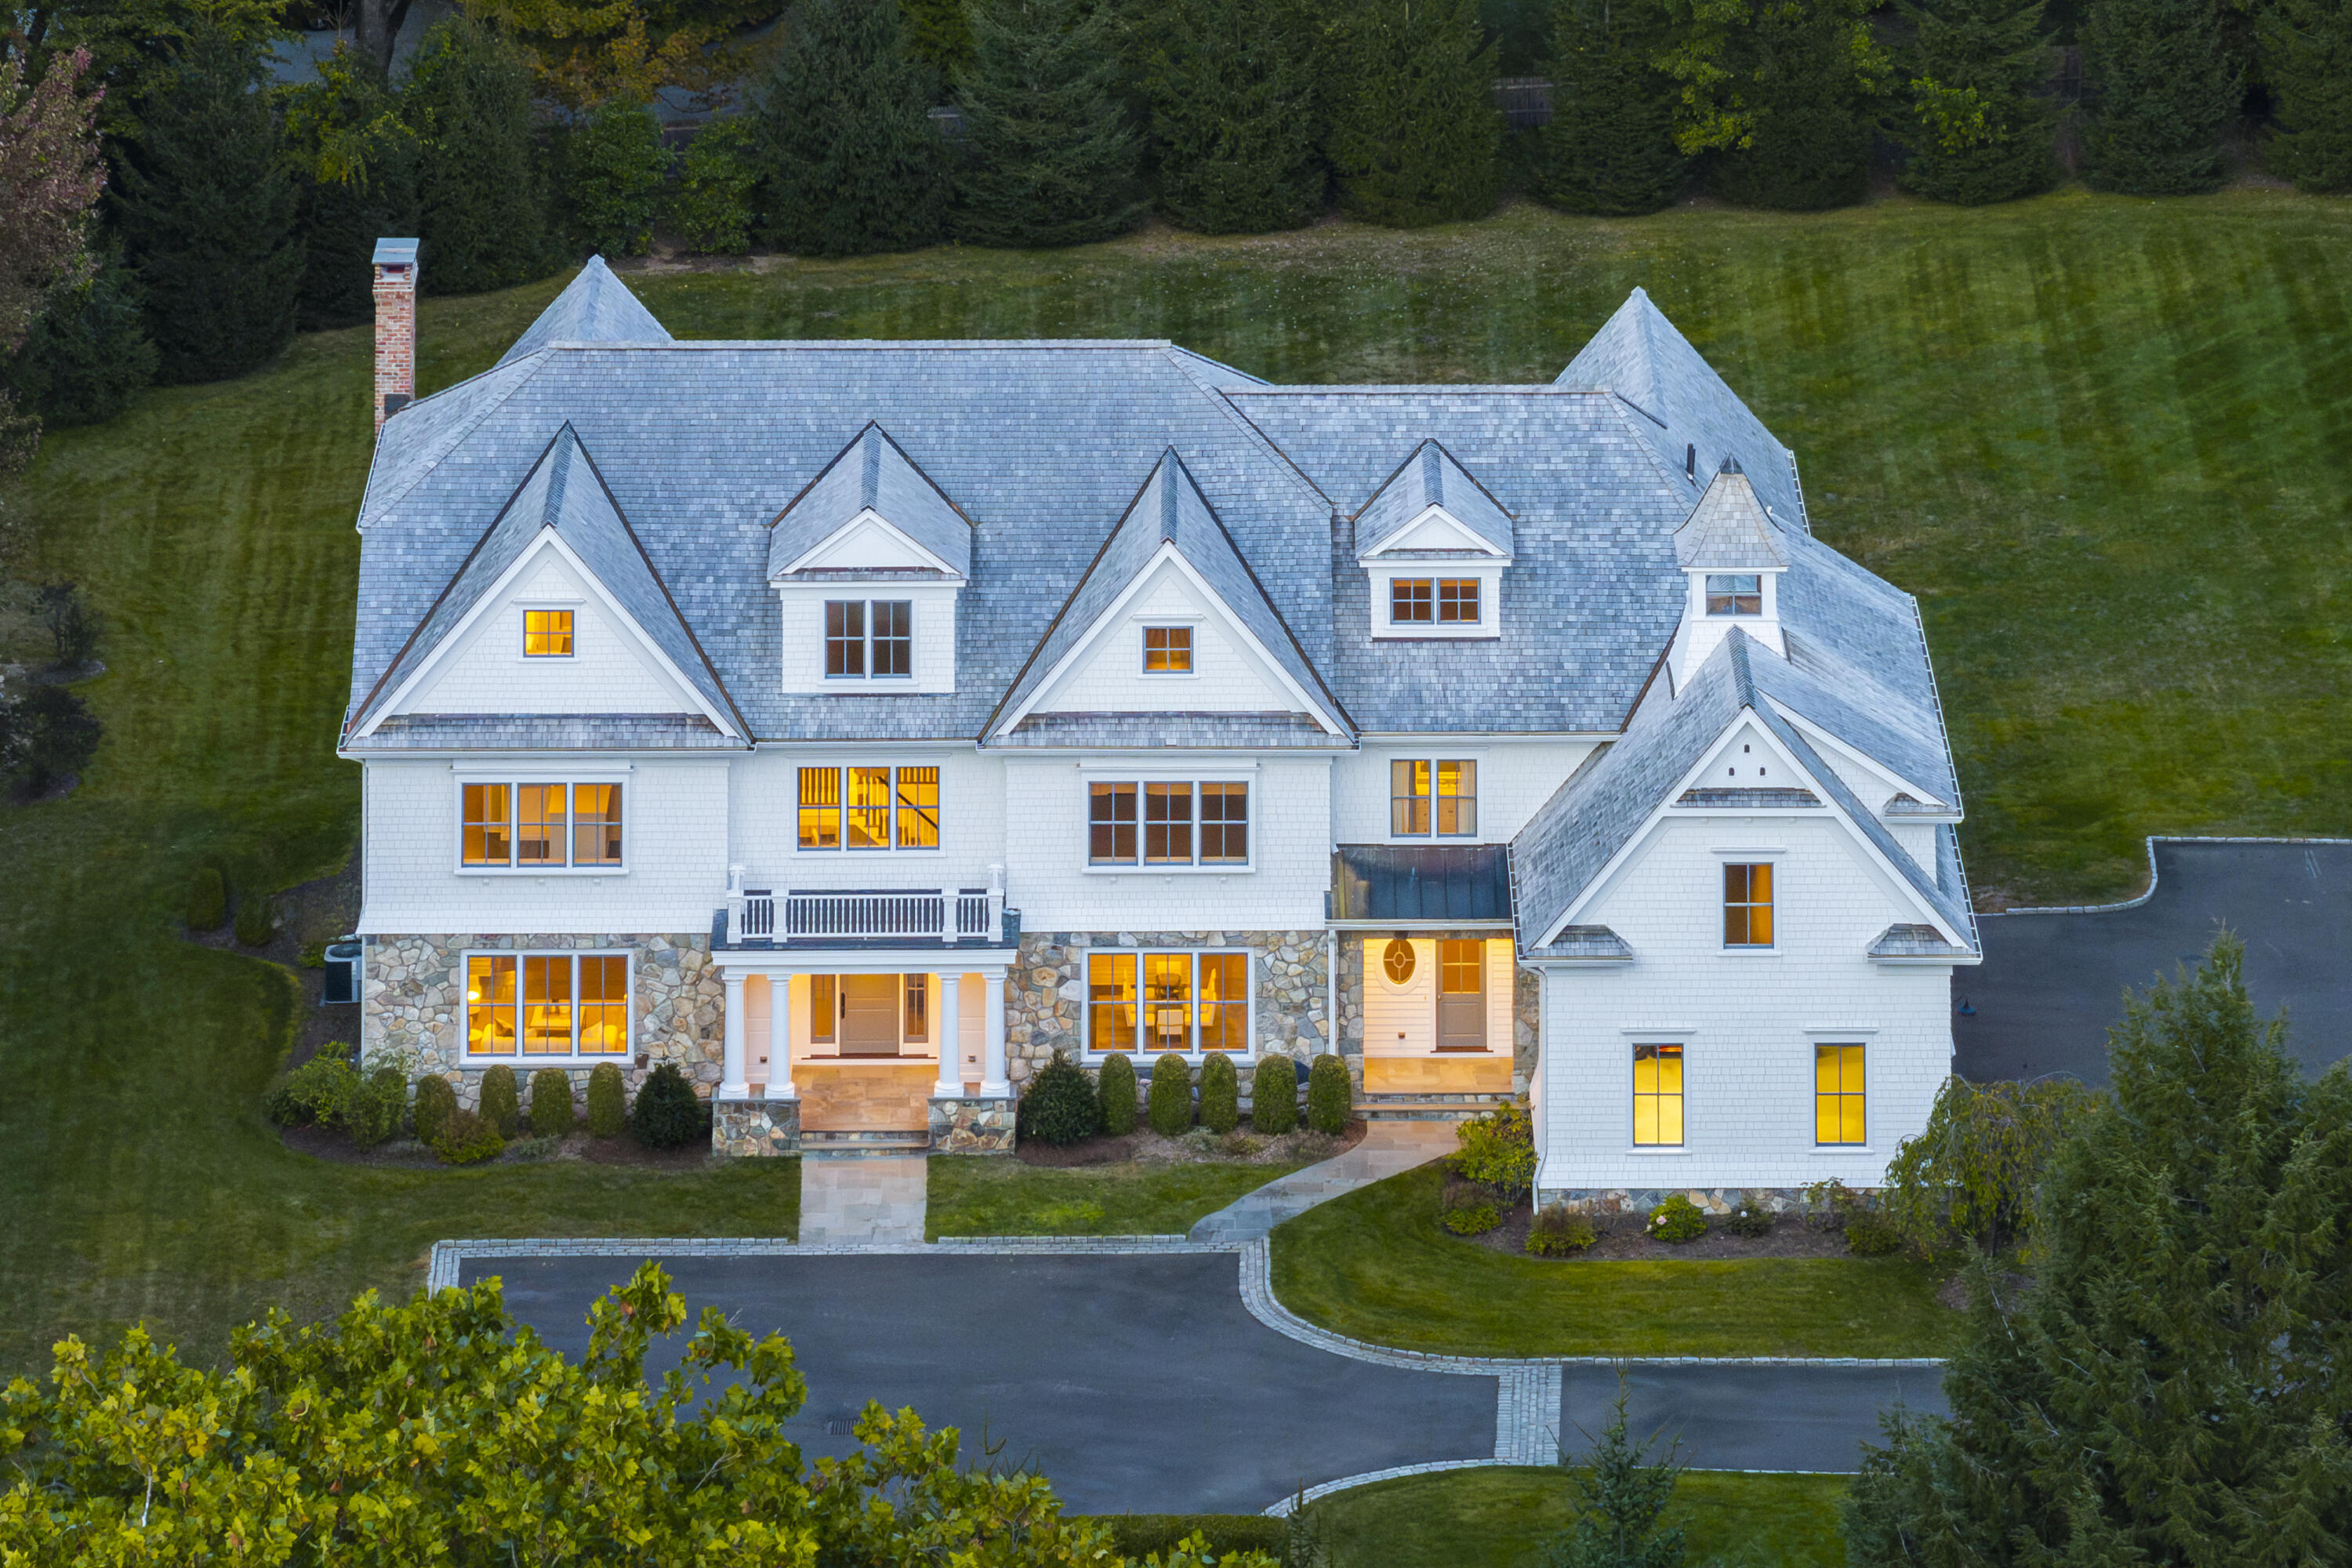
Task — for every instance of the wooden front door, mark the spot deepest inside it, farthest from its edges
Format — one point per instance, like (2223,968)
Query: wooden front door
(1460,995)
(869,1014)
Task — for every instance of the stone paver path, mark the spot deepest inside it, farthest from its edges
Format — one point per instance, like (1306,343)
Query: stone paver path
(1388,1149)
(863,1198)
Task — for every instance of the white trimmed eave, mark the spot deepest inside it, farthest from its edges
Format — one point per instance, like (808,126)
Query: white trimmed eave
(1948,811)
(1468,543)
(926,558)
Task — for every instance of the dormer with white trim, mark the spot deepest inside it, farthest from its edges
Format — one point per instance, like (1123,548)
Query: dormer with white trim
(1434,543)
(868,565)
(1731,559)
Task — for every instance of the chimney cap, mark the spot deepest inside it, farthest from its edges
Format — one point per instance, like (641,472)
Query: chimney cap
(395,253)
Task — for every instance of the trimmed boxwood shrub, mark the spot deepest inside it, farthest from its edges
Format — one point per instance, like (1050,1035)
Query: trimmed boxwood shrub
(1559,1231)
(1115,1087)
(608,1102)
(668,1115)
(1060,1105)
(501,1104)
(1329,1096)
(437,1101)
(373,1113)
(1749,1219)
(1221,1095)
(1677,1219)
(1274,1096)
(256,923)
(551,1102)
(1171,1096)
(466,1139)
(208,900)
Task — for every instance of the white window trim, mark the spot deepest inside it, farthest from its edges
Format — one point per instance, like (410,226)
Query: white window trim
(514,777)
(1141,1057)
(522,630)
(1748,857)
(1088,865)
(1379,962)
(894,847)
(914,639)
(1812,1091)
(1191,621)
(1473,755)
(622,1058)
(1656,1037)
(1488,574)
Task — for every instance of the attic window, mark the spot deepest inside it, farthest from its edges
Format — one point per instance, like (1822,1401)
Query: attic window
(1446,601)
(547,634)
(1168,650)
(1735,593)
(869,639)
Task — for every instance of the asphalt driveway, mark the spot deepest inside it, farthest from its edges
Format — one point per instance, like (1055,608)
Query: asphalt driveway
(2050,984)
(1747,1418)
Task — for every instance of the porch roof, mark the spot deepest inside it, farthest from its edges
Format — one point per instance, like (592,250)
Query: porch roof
(1466,884)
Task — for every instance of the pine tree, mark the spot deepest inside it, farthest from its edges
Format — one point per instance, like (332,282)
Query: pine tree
(1610,145)
(842,136)
(2163,92)
(2171,1389)
(88,351)
(2307,56)
(1415,136)
(1786,90)
(1978,133)
(207,210)
(1233,117)
(481,200)
(1621,1500)
(356,160)
(1049,157)
(939,34)
(615,164)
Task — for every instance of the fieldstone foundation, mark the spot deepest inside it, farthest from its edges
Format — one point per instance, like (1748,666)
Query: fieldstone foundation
(1526,1005)
(755,1127)
(1714,1200)
(971,1125)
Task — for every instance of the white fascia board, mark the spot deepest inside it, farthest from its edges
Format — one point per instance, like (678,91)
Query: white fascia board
(1115,613)
(1465,543)
(869,516)
(1829,741)
(548,539)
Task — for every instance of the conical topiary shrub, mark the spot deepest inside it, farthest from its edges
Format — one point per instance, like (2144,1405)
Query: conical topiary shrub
(256,920)
(1221,1094)
(1115,1087)
(551,1103)
(1274,1096)
(501,1103)
(1329,1095)
(208,900)
(436,1102)
(1171,1096)
(608,1102)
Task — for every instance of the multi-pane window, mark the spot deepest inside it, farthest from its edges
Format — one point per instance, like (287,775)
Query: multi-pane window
(869,809)
(1160,1002)
(1657,1094)
(1411,601)
(1838,1095)
(1426,794)
(1457,601)
(1735,593)
(869,638)
(547,634)
(1423,601)
(915,1010)
(1748,905)
(547,1005)
(540,826)
(824,1007)
(1168,650)
(1154,823)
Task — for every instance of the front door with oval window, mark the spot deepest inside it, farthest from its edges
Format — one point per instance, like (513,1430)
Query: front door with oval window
(1461,997)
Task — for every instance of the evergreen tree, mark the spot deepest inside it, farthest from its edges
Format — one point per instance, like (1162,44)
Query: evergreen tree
(939,34)
(356,160)
(1049,157)
(481,202)
(2308,57)
(1610,145)
(88,351)
(1232,118)
(842,136)
(1786,90)
(2163,90)
(1415,136)
(1620,1499)
(1978,133)
(207,210)
(2171,1388)
(615,164)
(712,209)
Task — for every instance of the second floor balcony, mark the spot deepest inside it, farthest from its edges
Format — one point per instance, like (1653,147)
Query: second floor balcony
(758,914)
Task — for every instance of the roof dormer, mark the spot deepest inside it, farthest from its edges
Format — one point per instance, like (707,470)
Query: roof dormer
(1731,561)
(1434,543)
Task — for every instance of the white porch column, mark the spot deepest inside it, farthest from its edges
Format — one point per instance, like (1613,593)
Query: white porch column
(732,1084)
(993,1080)
(780,1037)
(946,1032)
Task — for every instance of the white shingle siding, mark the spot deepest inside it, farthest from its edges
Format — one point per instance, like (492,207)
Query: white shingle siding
(610,671)
(1515,777)
(1226,678)
(764,799)
(801,657)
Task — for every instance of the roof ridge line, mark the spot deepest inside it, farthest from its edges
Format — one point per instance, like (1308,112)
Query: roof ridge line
(452,437)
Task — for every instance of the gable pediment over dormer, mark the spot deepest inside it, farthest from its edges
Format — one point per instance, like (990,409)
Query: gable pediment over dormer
(1435,533)
(871,509)
(1431,505)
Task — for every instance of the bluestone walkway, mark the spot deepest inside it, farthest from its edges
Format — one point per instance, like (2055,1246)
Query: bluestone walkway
(1387,1148)
(848,1198)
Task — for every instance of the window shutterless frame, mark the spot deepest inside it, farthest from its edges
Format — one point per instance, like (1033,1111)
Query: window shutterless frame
(1168,650)
(541,826)
(1165,824)
(547,634)
(1840,1095)
(1748,907)
(869,639)
(1150,1002)
(1658,1096)
(1439,794)
(547,1008)
(868,808)
(1735,593)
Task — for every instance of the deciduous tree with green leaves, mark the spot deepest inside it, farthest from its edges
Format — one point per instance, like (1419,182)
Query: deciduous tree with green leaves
(2162,90)
(1415,136)
(614,164)
(1233,115)
(1609,147)
(1783,91)
(356,161)
(2308,57)
(50,167)
(1978,132)
(1973,1171)
(1049,155)
(2170,1387)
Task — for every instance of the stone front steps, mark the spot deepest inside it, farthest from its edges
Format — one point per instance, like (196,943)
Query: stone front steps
(837,1143)
(1431,1107)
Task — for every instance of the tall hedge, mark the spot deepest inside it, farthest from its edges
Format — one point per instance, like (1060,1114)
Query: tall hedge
(481,197)
(1233,116)
(1221,1094)
(842,137)
(608,1101)
(1979,129)
(206,210)
(1048,156)
(436,1102)
(1330,1095)
(2307,56)
(1171,1096)
(1415,136)
(501,1103)
(614,165)
(1274,1096)
(1609,147)
(1115,1088)
(2161,93)
(1807,83)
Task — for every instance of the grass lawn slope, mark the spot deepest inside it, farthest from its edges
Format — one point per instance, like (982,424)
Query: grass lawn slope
(1374,1265)
(1005,1197)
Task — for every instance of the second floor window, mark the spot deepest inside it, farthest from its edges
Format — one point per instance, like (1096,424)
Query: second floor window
(541,826)
(547,634)
(1735,593)
(1748,905)
(1167,650)
(869,809)
(1164,824)
(1439,795)
(869,639)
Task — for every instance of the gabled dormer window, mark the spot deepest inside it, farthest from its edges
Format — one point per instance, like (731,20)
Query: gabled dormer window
(1735,593)
(869,639)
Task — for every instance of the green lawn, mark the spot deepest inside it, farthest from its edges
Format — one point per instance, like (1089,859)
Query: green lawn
(1374,1265)
(1500,1518)
(1005,1197)
(2106,440)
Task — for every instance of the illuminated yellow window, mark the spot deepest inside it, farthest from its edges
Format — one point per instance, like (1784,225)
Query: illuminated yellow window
(488,825)
(490,1005)
(1168,650)
(867,821)
(918,808)
(540,832)
(546,1006)
(820,808)
(595,824)
(1839,1095)
(1748,906)
(1110,1000)
(1168,1002)
(1408,796)
(547,634)
(1657,1094)
(1224,1002)
(603,1004)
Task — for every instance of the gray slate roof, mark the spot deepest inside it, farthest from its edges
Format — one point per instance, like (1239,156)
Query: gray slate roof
(594,308)
(1431,477)
(548,733)
(1727,531)
(871,471)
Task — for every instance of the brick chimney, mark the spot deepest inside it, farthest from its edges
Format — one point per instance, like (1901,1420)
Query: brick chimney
(395,327)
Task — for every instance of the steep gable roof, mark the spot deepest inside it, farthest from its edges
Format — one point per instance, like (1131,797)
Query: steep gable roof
(872,473)
(594,308)
(1727,531)
(1431,477)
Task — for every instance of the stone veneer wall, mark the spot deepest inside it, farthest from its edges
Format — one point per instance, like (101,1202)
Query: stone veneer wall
(412,999)
(1526,1005)
(971,1125)
(751,1127)
(1044,994)
(1642,1200)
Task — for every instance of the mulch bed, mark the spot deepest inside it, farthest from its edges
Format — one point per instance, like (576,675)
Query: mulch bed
(326,1143)
(1198,1146)
(1622,1238)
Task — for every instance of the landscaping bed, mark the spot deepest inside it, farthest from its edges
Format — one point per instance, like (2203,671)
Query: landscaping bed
(1622,1236)
(975,1197)
(1145,1147)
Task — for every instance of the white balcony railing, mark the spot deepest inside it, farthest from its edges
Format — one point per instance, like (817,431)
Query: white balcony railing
(873,914)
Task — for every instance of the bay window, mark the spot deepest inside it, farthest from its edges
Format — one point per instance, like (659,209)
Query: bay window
(540,826)
(547,1005)
(1181,822)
